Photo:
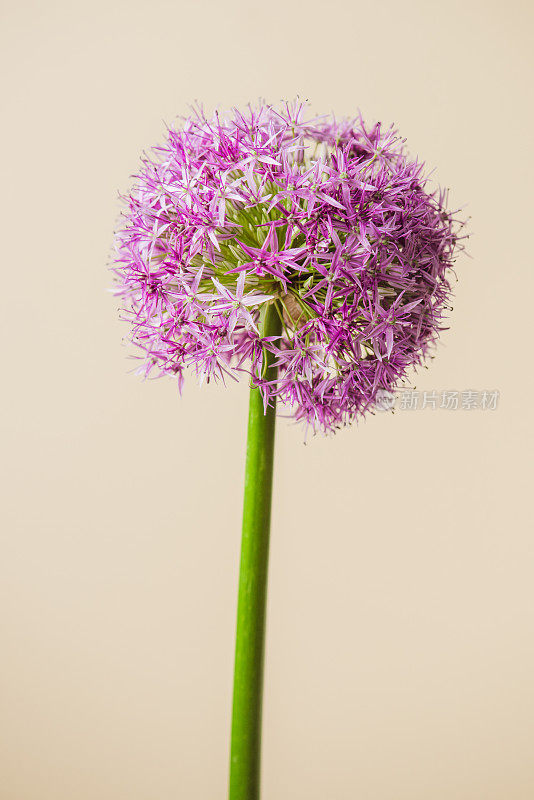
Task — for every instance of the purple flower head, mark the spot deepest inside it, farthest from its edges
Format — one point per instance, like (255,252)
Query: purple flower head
(330,221)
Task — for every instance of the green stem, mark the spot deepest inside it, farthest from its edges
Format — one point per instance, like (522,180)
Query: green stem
(250,636)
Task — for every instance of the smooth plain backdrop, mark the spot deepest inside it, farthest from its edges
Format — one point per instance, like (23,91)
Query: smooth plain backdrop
(400,647)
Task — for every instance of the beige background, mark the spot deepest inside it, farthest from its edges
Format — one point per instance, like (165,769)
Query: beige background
(400,633)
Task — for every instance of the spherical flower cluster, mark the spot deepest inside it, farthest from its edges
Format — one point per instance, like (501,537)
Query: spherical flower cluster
(327,221)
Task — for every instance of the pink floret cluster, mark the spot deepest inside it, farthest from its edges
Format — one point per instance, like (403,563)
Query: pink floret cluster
(329,222)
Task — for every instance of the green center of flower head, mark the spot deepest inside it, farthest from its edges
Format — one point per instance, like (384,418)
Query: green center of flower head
(276,215)
(251,226)
(254,224)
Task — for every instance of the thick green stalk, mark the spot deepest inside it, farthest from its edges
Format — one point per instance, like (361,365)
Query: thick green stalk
(250,636)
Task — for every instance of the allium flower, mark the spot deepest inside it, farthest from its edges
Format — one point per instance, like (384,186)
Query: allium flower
(328,220)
